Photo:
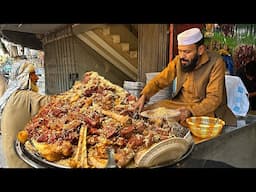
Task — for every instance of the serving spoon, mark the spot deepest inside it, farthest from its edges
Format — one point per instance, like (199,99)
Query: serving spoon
(111,159)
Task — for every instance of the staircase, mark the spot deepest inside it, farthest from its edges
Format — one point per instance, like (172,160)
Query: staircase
(116,43)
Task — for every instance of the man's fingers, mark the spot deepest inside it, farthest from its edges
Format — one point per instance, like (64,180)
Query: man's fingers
(140,103)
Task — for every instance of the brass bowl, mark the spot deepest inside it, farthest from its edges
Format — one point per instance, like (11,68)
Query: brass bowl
(205,127)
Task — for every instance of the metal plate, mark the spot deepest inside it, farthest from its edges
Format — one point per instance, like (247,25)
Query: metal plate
(160,112)
(171,163)
(164,152)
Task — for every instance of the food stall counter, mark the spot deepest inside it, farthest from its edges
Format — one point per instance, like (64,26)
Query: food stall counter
(234,147)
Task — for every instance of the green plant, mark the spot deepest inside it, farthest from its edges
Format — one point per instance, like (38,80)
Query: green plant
(231,42)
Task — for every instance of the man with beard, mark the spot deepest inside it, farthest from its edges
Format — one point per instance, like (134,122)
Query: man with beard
(198,80)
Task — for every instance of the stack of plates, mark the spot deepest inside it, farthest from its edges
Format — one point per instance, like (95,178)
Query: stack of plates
(162,94)
(133,87)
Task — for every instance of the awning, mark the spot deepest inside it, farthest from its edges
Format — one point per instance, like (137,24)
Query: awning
(24,39)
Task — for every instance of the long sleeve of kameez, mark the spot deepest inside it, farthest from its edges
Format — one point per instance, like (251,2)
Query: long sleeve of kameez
(214,91)
(160,81)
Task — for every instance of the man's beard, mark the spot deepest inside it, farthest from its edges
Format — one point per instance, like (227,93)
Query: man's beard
(33,86)
(190,65)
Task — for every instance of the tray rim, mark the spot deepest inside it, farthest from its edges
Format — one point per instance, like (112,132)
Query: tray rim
(33,159)
(37,161)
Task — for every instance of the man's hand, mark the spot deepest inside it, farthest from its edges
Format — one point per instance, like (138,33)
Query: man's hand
(140,103)
(184,113)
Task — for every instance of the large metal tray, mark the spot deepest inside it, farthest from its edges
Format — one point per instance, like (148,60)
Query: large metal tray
(36,161)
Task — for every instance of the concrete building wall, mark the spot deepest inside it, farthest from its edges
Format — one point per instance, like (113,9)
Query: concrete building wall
(68,58)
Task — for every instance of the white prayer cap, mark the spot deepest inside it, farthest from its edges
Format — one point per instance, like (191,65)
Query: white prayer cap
(189,36)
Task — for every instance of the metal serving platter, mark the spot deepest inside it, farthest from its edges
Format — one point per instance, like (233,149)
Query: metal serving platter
(36,161)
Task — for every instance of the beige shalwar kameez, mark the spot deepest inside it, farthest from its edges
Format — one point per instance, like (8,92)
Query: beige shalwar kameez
(20,107)
(202,90)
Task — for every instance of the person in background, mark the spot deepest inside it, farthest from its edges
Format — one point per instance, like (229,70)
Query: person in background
(19,102)
(197,76)
(247,73)
(227,57)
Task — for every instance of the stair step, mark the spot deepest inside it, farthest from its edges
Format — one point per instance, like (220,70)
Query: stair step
(106,30)
(133,54)
(128,66)
(116,38)
(125,46)
(119,47)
